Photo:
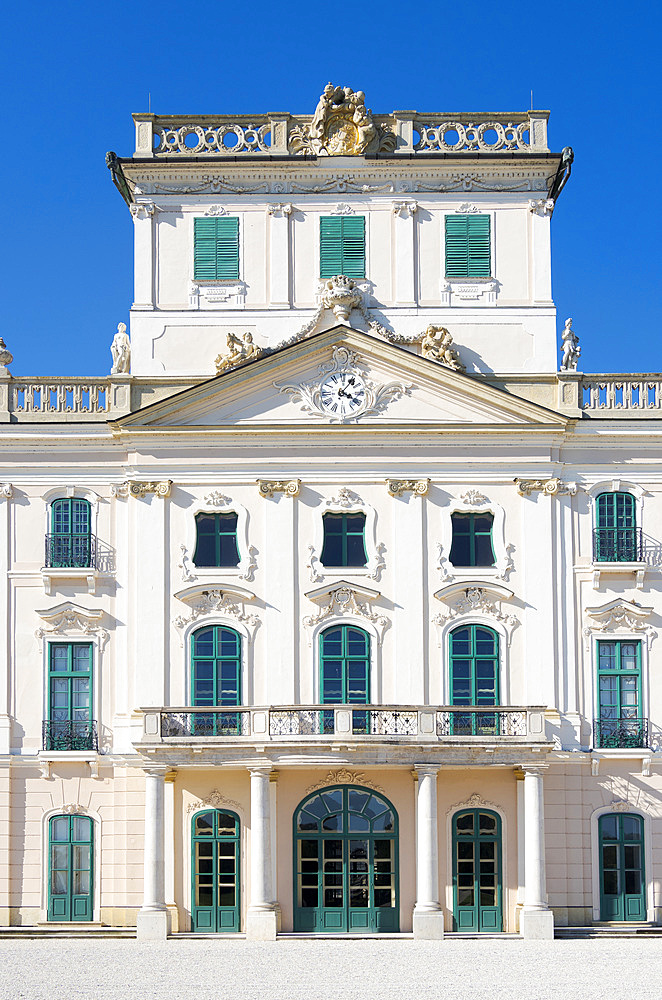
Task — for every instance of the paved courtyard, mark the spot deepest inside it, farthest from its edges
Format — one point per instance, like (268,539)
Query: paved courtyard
(322,970)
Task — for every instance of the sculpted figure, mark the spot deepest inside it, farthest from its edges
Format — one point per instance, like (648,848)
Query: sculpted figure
(250,349)
(238,351)
(322,112)
(120,350)
(570,348)
(437,346)
(366,130)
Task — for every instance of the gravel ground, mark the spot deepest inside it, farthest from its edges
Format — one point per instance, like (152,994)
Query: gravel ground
(327,970)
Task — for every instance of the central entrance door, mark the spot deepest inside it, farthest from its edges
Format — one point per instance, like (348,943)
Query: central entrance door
(622,881)
(346,862)
(215,871)
(477,871)
(70,868)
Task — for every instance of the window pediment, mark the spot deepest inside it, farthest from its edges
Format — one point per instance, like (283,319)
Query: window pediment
(343,600)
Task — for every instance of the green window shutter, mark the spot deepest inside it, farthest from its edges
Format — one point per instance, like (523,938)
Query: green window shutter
(468,251)
(342,246)
(216,248)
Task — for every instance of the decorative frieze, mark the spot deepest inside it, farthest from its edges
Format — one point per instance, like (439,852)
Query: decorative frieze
(419,487)
(268,487)
(550,487)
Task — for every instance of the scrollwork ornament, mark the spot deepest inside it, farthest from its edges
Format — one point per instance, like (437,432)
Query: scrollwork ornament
(474,498)
(419,487)
(343,602)
(269,487)
(343,776)
(549,487)
(139,490)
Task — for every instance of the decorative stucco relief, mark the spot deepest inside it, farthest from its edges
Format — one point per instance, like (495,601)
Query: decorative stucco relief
(216,603)
(343,776)
(66,619)
(216,800)
(477,600)
(618,616)
(342,603)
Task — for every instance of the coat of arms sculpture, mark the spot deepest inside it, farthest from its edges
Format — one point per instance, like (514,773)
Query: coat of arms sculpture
(341,126)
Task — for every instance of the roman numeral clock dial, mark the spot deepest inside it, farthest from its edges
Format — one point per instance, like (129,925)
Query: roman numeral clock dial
(343,394)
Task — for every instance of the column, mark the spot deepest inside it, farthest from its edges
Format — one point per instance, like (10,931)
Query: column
(262,914)
(143,290)
(536,919)
(428,915)
(279,256)
(153,916)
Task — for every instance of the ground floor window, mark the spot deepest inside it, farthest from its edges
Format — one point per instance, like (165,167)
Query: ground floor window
(622,884)
(477,871)
(215,871)
(70,853)
(346,862)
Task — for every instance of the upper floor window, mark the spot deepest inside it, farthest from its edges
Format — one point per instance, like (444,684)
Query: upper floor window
(342,246)
(345,673)
(69,725)
(216,679)
(468,247)
(472,540)
(474,679)
(69,543)
(216,248)
(619,722)
(216,540)
(344,540)
(616,537)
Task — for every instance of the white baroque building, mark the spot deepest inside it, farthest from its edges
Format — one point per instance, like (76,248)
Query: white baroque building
(333,608)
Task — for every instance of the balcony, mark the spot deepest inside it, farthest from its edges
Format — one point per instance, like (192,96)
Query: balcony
(618,550)
(624,733)
(81,558)
(59,736)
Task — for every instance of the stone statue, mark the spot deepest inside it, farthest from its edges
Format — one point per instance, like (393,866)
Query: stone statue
(341,126)
(121,351)
(6,357)
(570,348)
(436,345)
(238,352)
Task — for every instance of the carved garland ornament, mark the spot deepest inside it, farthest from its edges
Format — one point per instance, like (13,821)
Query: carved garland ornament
(343,776)
(341,295)
(216,800)
(343,602)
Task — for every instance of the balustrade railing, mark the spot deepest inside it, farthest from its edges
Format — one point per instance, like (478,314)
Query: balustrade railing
(66,395)
(621,394)
(617,545)
(622,733)
(69,735)
(64,550)
(358,721)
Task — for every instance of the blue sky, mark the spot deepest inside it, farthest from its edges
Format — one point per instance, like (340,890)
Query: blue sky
(74,72)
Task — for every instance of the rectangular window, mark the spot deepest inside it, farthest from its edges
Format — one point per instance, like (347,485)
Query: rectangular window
(472,540)
(216,248)
(468,250)
(344,543)
(69,725)
(216,540)
(342,246)
(619,723)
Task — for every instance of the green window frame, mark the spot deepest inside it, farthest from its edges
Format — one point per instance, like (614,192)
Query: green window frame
(216,540)
(619,723)
(216,248)
(477,889)
(622,867)
(616,528)
(474,679)
(342,246)
(468,246)
(215,871)
(344,656)
(472,543)
(69,723)
(344,540)
(70,540)
(70,868)
(216,679)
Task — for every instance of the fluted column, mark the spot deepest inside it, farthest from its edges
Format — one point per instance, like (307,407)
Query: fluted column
(536,919)
(428,916)
(153,916)
(262,914)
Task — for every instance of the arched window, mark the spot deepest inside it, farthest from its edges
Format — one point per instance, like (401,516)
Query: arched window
(474,679)
(616,537)
(345,672)
(216,678)
(70,542)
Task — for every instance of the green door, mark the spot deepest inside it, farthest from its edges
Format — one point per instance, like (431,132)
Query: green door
(215,871)
(70,868)
(345,673)
(70,540)
(477,871)
(622,882)
(346,862)
(616,528)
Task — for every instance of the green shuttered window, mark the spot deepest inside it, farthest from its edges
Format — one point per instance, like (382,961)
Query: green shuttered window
(342,246)
(216,248)
(468,246)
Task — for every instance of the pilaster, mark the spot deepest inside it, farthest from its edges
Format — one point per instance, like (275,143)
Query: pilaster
(6,491)
(279,255)
(143,229)
(405,252)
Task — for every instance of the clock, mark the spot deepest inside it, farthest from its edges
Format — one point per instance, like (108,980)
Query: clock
(343,394)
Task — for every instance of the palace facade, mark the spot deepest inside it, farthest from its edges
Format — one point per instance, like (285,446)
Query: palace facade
(333,608)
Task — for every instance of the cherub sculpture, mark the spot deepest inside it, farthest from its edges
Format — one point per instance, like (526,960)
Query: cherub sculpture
(436,345)
(570,348)
(120,350)
(238,352)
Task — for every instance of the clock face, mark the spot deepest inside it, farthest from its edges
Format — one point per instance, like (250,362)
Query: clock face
(343,394)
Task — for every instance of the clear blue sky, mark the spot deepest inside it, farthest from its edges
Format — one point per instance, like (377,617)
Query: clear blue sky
(73,73)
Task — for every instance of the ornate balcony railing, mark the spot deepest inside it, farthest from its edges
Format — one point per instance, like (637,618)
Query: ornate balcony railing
(60,395)
(71,551)
(621,395)
(617,545)
(371,722)
(623,733)
(69,735)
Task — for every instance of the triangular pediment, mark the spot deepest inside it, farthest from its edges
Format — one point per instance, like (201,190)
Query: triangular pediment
(290,387)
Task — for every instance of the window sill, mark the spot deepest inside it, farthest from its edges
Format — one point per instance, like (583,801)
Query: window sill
(475,291)
(52,577)
(619,569)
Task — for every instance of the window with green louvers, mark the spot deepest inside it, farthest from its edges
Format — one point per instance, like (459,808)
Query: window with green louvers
(468,251)
(216,248)
(342,246)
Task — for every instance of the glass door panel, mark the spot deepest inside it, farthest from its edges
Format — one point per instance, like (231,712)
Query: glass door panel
(70,869)
(477,871)
(622,883)
(215,872)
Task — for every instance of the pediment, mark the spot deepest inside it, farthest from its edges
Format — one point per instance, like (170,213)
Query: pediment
(287,388)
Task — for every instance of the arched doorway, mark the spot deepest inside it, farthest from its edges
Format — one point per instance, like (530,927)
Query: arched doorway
(215,860)
(477,888)
(70,868)
(622,882)
(346,862)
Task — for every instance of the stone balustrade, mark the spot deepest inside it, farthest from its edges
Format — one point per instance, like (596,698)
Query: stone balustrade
(63,398)
(621,395)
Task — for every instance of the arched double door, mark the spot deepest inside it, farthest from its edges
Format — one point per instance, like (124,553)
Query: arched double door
(346,862)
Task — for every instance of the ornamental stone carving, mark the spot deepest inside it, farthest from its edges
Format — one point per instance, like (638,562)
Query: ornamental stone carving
(6,491)
(342,602)
(570,348)
(290,487)
(619,616)
(541,206)
(341,295)
(139,490)
(280,210)
(550,487)
(405,209)
(343,776)
(476,600)
(6,357)
(144,210)
(213,603)
(341,126)
(120,350)
(436,345)
(216,800)
(238,352)
(69,618)
(419,487)
(474,498)
(216,499)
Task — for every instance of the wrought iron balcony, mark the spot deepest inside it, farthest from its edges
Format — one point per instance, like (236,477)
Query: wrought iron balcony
(69,735)
(410,723)
(614,545)
(624,733)
(66,551)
